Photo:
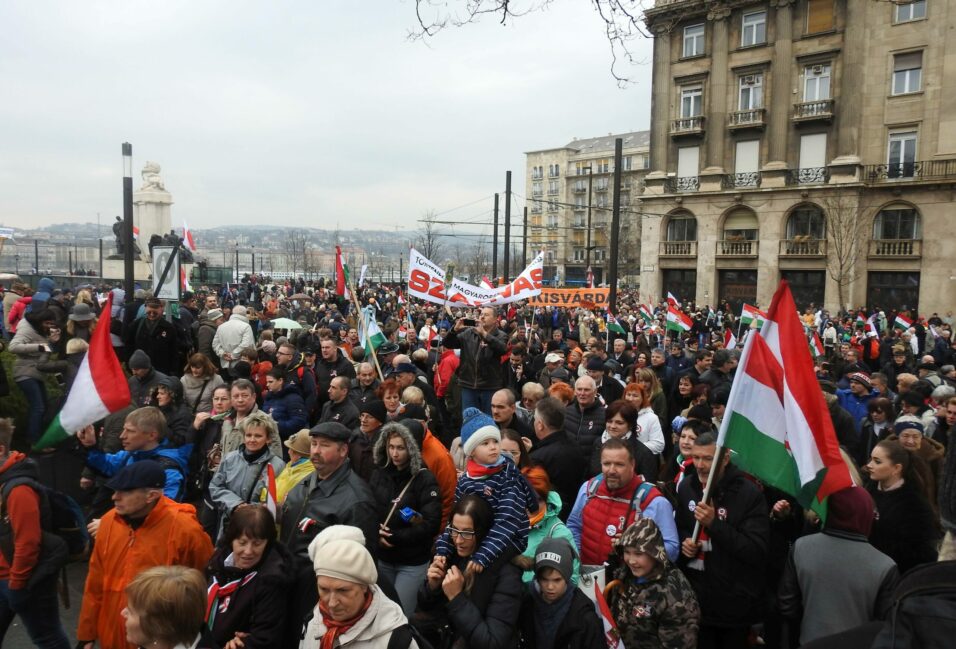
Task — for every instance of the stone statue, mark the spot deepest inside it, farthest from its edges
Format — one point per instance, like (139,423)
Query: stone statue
(118,233)
(151,178)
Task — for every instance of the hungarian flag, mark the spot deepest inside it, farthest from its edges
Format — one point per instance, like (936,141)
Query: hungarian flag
(188,240)
(272,502)
(678,320)
(184,279)
(860,322)
(135,232)
(613,324)
(100,388)
(776,422)
(872,329)
(401,299)
(374,338)
(672,301)
(485,283)
(590,278)
(816,346)
(902,322)
(612,637)
(752,314)
(646,314)
(730,340)
(341,275)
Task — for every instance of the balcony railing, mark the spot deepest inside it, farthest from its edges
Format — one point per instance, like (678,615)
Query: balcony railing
(803,247)
(809,111)
(904,171)
(688,126)
(580,189)
(737,248)
(747,179)
(678,249)
(896,248)
(808,176)
(579,224)
(753,118)
(682,184)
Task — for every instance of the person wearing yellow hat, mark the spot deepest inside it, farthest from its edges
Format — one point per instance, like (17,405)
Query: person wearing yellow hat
(299,467)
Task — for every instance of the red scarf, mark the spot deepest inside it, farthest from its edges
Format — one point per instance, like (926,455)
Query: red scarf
(480,471)
(334,629)
(219,596)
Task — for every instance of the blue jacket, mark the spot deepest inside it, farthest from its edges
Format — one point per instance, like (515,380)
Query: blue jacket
(174,461)
(855,405)
(287,409)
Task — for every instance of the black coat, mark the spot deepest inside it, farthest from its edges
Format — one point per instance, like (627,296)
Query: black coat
(584,426)
(580,628)
(561,458)
(257,608)
(161,345)
(731,588)
(480,367)
(905,529)
(485,618)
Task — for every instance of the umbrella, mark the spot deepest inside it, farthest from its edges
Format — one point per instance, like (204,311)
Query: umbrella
(301,296)
(285,323)
(8,277)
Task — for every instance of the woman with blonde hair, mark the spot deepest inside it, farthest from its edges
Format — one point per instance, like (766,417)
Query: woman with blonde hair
(200,379)
(165,607)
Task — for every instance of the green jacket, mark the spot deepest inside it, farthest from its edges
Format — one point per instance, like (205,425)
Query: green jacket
(550,526)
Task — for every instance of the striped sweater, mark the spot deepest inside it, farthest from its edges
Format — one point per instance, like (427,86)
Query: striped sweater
(511,498)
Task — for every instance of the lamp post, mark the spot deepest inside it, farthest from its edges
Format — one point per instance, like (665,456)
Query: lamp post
(237,262)
(253,259)
(587,247)
(128,217)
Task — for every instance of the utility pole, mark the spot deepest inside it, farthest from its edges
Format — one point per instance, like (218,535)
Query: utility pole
(401,269)
(237,262)
(128,242)
(36,256)
(494,245)
(253,260)
(524,240)
(507,264)
(587,246)
(101,258)
(615,224)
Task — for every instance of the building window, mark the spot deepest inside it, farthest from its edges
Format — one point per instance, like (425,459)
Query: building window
(751,91)
(579,203)
(537,173)
(600,254)
(536,207)
(907,73)
(908,12)
(536,189)
(819,16)
(549,256)
(816,83)
(693,40)
(754,29)
(901,289)
(682,227)
(602,166)
(552,207)
(691,101)
(578,254)
(901,155)
(601,184)
(553,171)
(646,162)
(552,187)
(552,219)
(626,163)
(897,223)
(806,223)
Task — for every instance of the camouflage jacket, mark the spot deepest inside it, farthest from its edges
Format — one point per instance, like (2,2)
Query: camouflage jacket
(659,614)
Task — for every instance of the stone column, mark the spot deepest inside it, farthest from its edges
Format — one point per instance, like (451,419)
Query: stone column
(660,98)
(781,98)
(848,107)
(717,101)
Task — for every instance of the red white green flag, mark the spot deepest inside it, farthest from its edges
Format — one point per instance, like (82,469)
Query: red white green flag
(730,340)
(613,324)
(612,637)
(100,388)
(678,320)
(645,312)
(816,346)
(777,423)
(902,322)
(271,499)
(672,300)
(341,275)
(751,314)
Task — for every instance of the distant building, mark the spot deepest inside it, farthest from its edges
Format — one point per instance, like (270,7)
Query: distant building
(558,184)
(776,126)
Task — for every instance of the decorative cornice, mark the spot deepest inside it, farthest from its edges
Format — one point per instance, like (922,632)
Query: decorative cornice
(718,12)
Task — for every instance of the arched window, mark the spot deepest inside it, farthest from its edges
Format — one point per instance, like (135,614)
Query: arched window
(741,225)
(806,222)
(897,222)
(682,227)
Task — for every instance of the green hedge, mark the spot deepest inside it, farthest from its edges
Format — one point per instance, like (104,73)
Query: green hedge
(15,404)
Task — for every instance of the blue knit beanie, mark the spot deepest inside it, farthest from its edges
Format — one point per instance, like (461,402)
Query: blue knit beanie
(476,427)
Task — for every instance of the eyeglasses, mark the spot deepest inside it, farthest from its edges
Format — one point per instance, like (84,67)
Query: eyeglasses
(465,534)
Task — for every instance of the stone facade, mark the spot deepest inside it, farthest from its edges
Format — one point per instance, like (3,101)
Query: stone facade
(560,184)
(789,138)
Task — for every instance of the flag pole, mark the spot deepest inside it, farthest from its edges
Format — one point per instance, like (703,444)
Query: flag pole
(705,498)
(358,312)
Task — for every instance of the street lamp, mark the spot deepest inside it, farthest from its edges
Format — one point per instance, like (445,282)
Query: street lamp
(587,247)
(128,217)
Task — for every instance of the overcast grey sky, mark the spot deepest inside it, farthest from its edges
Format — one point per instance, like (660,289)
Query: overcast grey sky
(302,113)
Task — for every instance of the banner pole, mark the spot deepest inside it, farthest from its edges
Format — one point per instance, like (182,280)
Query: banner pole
(358,312)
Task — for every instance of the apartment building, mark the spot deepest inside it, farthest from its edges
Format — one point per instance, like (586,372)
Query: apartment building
(569,194)
(812,140)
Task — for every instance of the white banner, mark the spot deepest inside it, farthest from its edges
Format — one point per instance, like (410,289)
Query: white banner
(426,281)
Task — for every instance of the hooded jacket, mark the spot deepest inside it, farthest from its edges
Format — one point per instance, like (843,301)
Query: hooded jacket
(179,419)
(258,608)
(204,337)
(238,481)
(584,425)
(140,389)
(28,347)
(372,631)
(551,526)
(170,535)
(411,540)
(287,408)
(23,511)
(45,288)
(14,314)
(231,338)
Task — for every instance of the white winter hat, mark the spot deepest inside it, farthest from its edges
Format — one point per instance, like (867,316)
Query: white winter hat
(339,552)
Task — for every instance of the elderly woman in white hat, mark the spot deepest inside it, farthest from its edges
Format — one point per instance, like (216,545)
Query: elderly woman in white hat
(352,611)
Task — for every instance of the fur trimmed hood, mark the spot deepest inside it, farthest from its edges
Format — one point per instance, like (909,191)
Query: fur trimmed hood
(380,451)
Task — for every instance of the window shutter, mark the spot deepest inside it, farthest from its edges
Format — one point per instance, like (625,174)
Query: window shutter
(908,61)
(819,16)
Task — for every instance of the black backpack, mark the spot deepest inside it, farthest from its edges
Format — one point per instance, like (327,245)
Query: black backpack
(923,614)
(65,537)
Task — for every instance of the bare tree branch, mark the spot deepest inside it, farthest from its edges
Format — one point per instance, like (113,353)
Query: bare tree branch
(846,233)
(428,241)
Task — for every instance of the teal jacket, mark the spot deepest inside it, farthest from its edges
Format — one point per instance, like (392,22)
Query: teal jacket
(551,526)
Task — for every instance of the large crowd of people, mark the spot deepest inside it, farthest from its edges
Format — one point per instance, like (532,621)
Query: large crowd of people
(477,480)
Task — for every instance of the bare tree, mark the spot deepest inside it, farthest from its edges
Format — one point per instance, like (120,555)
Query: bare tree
(479,259)
(846,234)
(623,20)
(295,249)
(428,240)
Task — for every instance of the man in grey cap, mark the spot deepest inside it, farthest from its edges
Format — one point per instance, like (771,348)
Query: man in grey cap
(333,495)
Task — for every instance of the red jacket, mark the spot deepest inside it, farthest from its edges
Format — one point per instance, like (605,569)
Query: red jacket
(23,508)
(447,365)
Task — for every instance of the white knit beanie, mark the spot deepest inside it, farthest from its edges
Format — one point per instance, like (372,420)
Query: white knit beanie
(339,552)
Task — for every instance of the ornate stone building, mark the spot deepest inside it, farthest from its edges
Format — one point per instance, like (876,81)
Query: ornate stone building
(812,140)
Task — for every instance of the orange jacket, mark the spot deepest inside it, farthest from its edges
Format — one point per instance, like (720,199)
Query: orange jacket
(170,535)
(439,462)
(23,511)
